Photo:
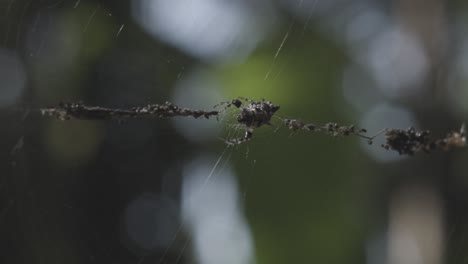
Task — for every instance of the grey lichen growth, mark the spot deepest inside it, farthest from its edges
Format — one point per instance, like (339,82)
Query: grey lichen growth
(66,111)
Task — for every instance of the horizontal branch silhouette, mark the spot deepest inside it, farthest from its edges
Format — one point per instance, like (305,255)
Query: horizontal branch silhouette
(66,111)
(254,114)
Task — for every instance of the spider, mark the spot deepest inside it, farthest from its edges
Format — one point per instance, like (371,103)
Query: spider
(252,115)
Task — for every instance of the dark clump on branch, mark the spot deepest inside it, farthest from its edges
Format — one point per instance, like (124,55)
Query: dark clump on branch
(410,141)
(253,114)
(66,111)
(405,142)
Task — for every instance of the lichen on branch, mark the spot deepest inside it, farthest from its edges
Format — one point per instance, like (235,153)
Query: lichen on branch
(66,111)
(410,141)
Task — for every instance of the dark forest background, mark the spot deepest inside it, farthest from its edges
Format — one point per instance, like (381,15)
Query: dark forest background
(170,191)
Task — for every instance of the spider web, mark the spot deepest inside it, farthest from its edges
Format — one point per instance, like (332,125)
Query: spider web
(42,18)
(159,191)
(41,23)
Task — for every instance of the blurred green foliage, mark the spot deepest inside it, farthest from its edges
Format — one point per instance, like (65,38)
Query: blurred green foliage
(309,198)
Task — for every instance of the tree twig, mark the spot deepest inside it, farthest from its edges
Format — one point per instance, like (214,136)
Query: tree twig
(254,114)
(66,111)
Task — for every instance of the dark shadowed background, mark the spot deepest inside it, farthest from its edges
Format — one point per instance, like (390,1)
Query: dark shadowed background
(171,191)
